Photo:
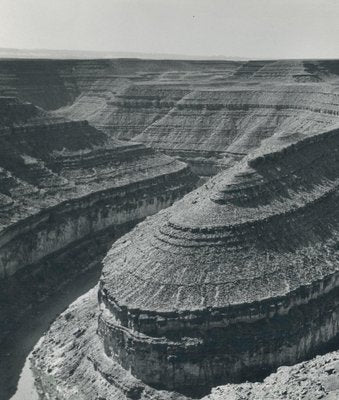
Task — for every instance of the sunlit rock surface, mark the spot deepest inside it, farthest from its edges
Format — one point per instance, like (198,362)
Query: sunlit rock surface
(233,281)
(87,373)
(61,181)
(238,278)
(208,113)
(314,379)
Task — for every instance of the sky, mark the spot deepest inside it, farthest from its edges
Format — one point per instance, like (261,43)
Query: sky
(232,28)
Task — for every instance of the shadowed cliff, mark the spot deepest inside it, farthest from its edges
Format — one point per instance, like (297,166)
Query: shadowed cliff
(240,277)
(234,280)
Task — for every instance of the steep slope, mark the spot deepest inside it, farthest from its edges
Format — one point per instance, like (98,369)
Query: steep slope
(238,278)
(314,379)
(234,280)
(61,181)
(208,113)
(309,380)
(52,84)
(225,124)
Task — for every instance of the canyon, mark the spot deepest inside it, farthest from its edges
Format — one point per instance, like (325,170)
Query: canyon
(67,190)
(233,281)
(207,113)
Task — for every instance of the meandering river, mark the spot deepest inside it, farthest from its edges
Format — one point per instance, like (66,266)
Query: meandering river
(16,380)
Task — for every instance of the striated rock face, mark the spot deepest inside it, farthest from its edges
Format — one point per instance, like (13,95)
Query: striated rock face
(61,181)
(315,379)
(233,281)
(222,125)
(209,114)
(52,84)
(238,278)
(87,373)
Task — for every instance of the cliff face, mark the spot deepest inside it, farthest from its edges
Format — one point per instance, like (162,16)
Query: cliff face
(87,372)
(240,277)
(222,125)
(211,115)
(207,113)
(315,379)
(61,181)
(233,281)
(245,264)
(52,84)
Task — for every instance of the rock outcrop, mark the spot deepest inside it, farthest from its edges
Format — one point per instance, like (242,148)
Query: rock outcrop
(61,181)
(233,281)
(209,114)
(87,373)
(315,379)
(211,128)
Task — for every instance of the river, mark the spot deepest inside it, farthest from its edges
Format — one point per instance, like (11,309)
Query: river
(16,380)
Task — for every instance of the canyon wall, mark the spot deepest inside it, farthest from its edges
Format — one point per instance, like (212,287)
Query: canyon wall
(234,280)
(209,114)
(229,283)
(52,84)
(197,312)
(61,181)
(75,333)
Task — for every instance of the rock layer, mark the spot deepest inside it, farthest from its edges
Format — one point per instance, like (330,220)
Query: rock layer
(207,113)
(239,277)
(71,363)
(234,280)
(61,181)
(227,123)
(315,379)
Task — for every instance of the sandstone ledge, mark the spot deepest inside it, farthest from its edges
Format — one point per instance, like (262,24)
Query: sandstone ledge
(239,276)
(69,363)
(63,180)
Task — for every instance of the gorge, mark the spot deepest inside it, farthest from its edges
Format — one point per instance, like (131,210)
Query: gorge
(233,281)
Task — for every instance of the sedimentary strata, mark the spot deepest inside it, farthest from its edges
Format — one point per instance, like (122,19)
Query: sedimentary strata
(233,281)
(61,181)
(314,379)
(209,114)
(212,127)
(87,373)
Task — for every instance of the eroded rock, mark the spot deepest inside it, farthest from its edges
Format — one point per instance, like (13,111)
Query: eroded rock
(233,281)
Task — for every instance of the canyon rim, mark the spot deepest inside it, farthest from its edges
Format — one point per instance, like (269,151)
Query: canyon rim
(169,225)
(230,283)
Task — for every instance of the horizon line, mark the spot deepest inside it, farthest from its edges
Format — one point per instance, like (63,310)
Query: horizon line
(148,56)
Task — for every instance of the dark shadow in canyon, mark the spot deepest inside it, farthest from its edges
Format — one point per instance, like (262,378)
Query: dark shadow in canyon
(257,375)
(36,295)
(36,299)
